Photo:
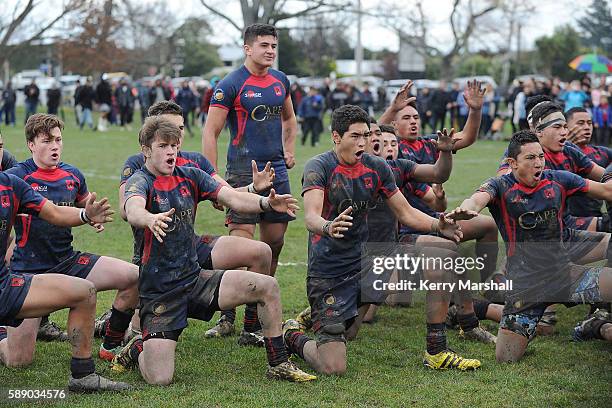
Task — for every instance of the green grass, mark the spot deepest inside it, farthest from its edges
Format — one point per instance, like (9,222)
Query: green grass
(384,363)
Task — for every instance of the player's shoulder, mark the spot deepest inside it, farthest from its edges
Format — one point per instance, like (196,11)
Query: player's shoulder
(192,156)
(22,168)
(571,149)
(327,159)
(280,75)
(374,162)
(237,76)
(135,161)
(559,175)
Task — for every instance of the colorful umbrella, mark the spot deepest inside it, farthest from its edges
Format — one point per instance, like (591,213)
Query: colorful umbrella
(593,63)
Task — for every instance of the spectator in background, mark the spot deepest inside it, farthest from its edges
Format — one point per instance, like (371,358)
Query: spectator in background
(488,112)
(515,89)
(310,113)
(439,102)
(125,103)
(574,97)
(520,114)
(104,97)
(602,121)
(32,96)
(367,99)
(382,98)
(424,108)
(114,112)
(83,98)
(339,96)
(143,100)
(297,93)
(9,98)
(206,99)
(453,107)
(159,92)
(462,110)
(54,98)
(78,109)
(186,99)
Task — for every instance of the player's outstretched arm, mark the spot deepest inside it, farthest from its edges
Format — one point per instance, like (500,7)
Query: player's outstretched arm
(474,98)
(313,206)
(415,219)
(596,173)
(470,207)
(254,204)
(401,100)
(600,191)
(441,171)
(139,217)
(435,198)
(95,212)
(212,129)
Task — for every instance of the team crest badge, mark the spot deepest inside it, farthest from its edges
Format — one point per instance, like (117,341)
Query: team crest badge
(329,300)
(277,91)
(368,182)
(218,96)
(83,260)
(17,282)
(127,172)
(70,184)
(159,309)
(6,202)
(184,191)
(549,193)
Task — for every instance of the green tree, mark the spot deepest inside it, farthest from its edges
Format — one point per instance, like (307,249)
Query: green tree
(199,56)
(556,51)
(291,59)
(596,26)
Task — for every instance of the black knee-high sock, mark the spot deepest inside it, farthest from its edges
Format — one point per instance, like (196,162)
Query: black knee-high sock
(251,322)
(436,338)
(468,321)
(480,308)
(135,350)
(116,326)
(295,341)
(229,315)
(276,350)
(81,367)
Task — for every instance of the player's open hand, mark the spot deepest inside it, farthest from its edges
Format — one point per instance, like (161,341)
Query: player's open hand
(474,94)
(340,224)
(263,180)
(576,136)
(449,228)
(99,212)
(158,224)
(403,97)
(283,203)
(446,141)
(438,190)
(461,214)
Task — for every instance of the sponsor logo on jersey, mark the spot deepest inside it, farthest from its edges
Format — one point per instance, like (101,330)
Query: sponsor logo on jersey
(218,95)
(83,260)
(17,282)
(6,201)
(251,94)
(127,172)
(264,112)
(41,188)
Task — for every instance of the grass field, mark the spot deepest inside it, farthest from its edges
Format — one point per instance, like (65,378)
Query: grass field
(384,362)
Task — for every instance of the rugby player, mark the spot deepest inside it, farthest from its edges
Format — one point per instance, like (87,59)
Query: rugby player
(45,248)
(162,198)
(255,101)
(339,187)
(527,205)
(30,296)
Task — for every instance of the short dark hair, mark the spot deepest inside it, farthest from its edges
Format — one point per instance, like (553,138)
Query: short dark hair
(534,100)
(384,128)
(254,30)
(544,109)
(520,138)
(164,108)
(345,116)
(577,109)
(373,120)
(41,123)
(155,126)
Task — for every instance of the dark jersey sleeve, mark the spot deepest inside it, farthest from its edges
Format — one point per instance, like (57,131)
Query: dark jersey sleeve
(572,183)
(407,168)
(137,186)
(131,165)
(491,186)
(287,85)
(225,93)
(208,186)
(503,164)
(607,176)
(8,160)
(419,189)
(314,175)
(205,165)
(606,152)
(583,163)
(30,202)
(387,185)
(83,192)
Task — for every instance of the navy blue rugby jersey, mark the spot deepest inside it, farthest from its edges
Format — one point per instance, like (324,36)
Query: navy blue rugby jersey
(165,266)
(344,186)
(40,245)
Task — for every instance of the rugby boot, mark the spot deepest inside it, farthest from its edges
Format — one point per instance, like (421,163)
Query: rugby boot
(288,371)
(95,383)
(448,359)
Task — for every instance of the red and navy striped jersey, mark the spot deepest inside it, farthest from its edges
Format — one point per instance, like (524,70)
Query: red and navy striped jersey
(40,245)
(254,105)
(358,186)
(167,265)
(583,206)
(16,197)
(570,158)
(136,162)
(423,150)
(530,220)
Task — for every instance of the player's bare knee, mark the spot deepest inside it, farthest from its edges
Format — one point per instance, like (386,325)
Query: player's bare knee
(334,367)
(82,292)
(270,288)
(263,254)
(160,379)
(20,358)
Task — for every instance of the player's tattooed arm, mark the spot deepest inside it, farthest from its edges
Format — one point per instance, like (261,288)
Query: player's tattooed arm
(415,219)
(95,213)
(139,217)
(212,128)
(253,204)
(313,206)
(289,123)
(474,98)
(402,99)
(439,172)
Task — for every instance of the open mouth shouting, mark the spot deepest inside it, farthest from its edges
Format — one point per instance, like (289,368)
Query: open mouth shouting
(359,154)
